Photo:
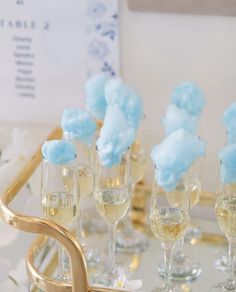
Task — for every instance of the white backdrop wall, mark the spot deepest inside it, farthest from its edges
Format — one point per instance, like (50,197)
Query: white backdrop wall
(158,51)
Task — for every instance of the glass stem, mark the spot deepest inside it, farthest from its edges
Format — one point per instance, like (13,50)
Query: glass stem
(231,285)
(128,223)
(112,229)
(129,226)
(63,264)
(80,231)
(167,258)
(179,256)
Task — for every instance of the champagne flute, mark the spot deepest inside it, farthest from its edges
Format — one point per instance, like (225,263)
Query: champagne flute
(130,239)
(85,168)
(137,162)
(222,257)
(168,223)
(185,268)
(112,197)
(59,198)
(195,174)
(226,215)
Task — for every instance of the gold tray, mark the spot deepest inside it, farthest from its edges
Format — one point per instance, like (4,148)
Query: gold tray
(47,229)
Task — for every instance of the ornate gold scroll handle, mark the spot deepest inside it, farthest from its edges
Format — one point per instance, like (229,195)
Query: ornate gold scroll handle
(40,226)
(45,227)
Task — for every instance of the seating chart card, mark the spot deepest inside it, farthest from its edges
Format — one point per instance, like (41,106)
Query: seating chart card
(48,50)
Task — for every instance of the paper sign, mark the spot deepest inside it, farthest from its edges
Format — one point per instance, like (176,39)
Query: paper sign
(43,59)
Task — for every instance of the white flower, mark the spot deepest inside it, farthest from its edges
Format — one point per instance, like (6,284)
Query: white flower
(124,283)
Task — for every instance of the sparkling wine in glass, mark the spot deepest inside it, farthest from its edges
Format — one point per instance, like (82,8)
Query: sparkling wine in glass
(226,215)
(168,224)
(137,161)
(112,205)
(59,207)
(85,168)
(86,180)
(130,239)
(59,199)
(112,197)
(184,268)
(222,259)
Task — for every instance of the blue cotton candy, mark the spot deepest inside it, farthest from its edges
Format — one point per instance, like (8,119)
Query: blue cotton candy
(174,156)
(227,175)
(189,97)
(114,121)
(231,136)
(176,118)
(95,96)
(58,151)
(79,125)
(111,148)
(177,151)
(228,156)
(129,102)
(228,164)
(167,180)
(116,136)
(229,118)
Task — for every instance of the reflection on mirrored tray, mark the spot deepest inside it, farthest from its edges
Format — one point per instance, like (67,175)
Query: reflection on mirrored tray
(139,270)
(143,267)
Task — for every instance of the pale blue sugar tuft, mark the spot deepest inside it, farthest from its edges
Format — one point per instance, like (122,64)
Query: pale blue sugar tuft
(227,174)
(129,102)
(188,96)
(58,151)
(79,124)
(174,156)
(229,118)
(116,137)
(168,180)
(228,156)
(176,118)
(177,151)
(95,96)
(231,136)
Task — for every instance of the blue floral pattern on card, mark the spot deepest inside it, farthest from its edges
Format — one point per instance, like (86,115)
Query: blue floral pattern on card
(102,37)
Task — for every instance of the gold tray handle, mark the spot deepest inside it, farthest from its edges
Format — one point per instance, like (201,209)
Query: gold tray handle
(46,227)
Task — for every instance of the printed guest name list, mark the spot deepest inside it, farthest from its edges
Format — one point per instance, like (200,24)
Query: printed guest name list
(42,53)
(24,57)
(25,81)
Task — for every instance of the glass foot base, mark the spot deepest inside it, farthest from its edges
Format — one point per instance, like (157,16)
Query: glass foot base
(192,233)
(92,260)
(92,257)
(188,269)
(222,287)
(104,278)
(221,263)
(132,241)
